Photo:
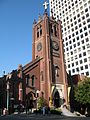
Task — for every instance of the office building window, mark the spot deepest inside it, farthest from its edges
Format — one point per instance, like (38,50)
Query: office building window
(70,47)
(78,15)
(79,20)
(88,20)
(84,53)
(78,43)
(73,35)
(74,40)
(87,15)
(74,45)
(85,60)
(71,52)
(86,34)
(77,33)
(72,64)
(84,22)
(76,2)
(87,73)
(67,49)
(77,69)
(73,70)
(66,43)
(85,28)
(81,67)
(80,55)
(86,66)
(80,30)
(81,62)
(86,10)
(82,36)
(82,41)
(76,27)
(89,26)
(77,63)
(80,25)
(68,65)
(83,47)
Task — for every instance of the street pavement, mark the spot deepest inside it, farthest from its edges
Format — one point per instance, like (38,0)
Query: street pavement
(40,117)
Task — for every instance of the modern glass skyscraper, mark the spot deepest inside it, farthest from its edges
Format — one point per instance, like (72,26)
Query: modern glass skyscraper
(75,21)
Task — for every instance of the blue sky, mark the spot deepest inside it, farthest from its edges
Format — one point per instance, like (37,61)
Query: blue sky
(16,21)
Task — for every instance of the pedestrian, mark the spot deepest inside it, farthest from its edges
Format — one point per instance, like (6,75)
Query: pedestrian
(27,106)
(5,112)
(43,109)
(19,109)
(64,103)
(48,110)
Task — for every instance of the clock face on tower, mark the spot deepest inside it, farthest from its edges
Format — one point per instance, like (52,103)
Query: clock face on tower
(55,45)
(39,46)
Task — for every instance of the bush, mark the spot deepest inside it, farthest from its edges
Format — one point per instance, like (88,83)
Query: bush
(55,111)
(52,111)
(41,102)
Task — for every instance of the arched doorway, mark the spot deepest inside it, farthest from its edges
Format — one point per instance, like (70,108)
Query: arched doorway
(56,99)
(29,100)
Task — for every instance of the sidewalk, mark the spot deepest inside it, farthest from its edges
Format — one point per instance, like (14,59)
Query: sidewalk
(66,112)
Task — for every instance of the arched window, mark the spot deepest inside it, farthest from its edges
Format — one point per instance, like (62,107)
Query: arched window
(53,29)
(33,80)
(56,68)
(39,31)
(27,79)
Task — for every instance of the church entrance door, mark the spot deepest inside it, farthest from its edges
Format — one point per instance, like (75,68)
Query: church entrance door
(56,99)
(29,100)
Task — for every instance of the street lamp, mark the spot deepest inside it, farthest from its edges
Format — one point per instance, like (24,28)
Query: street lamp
(8,95)
(36,92)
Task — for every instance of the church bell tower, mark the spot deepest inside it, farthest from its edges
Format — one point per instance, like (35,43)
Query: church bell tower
(47,45)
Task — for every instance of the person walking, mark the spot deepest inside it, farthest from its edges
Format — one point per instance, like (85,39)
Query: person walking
(27,106)
(43,109)
(48,110)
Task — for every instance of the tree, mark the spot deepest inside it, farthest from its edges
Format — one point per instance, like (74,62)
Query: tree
(82,93)
(41,102)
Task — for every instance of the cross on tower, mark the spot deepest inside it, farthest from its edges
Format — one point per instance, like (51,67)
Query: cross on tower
(45,5)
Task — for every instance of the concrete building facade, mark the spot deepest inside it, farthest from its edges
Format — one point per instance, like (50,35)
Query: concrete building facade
(75,22)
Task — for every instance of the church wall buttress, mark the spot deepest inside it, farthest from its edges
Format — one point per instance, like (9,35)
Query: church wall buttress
(33,43)
(63,67)
(49,72)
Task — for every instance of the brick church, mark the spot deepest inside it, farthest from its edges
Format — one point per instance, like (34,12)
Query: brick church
(46,74)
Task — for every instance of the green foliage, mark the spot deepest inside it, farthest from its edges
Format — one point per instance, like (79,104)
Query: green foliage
(82,92)
(52,111)
(41,102)
(55,111)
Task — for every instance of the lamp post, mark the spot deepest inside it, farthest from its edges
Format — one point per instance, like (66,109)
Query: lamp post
(36,92)
(11,104)
(7,95)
